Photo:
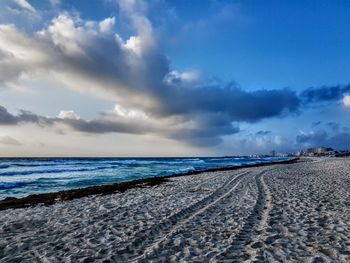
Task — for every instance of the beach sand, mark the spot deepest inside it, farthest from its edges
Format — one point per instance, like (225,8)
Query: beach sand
(297,212)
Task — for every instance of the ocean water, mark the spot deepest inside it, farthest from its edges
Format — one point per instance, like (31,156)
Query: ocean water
(23,176)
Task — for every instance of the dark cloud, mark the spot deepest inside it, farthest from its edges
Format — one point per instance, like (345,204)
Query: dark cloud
(324,93)
(208,132)
(195,134)
(6,118)
(256,143)
(261,133)
(238,104)
(313,138)
(99,126)
(201,135)
(316,123)
(334,126)
(338,141)
(88,126)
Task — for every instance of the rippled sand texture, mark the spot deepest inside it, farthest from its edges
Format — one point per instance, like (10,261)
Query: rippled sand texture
(281,213)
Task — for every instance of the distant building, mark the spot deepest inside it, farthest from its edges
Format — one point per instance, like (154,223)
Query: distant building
(273,153)
(319,150)
(316,151)
(255,155)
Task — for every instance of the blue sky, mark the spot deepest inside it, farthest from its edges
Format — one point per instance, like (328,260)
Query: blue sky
(178,78)
(271,43)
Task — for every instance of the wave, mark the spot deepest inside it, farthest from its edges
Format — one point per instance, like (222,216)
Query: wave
(124,162)
(50,171)
(177,171)
(227,159)
(198,163)
(9,185)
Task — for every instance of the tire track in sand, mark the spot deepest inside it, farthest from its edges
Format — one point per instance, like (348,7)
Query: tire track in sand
(244,244)
(148,240)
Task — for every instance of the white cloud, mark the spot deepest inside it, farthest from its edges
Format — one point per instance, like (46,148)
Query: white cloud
(107,24)
(185,77)
(65,34)
(133,7)
(129,113)
(346,101)
(142,43)
(80,57)
(24,4)
(68,114)
(55,2)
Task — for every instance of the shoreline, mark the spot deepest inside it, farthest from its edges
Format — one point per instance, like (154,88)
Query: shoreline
(66,195)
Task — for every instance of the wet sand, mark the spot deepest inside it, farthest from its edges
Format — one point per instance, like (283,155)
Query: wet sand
(297,212)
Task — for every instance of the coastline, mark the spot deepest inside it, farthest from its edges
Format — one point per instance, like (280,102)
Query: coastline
(53,197)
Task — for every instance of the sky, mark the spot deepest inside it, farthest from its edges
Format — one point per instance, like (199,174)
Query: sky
(173,78)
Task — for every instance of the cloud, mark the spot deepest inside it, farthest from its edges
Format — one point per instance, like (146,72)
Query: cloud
(150,96)
(333,125)
(6,118)
(69,118)
(107,24)
(68,115)
(129,113)
(316,123)
(324,93)
(206,130)
(340,141)
(120,121)
(312,138)
(186,78)
(262,133)
(26,5)
(336,140)
(105,126)
(346,101)
(131,72)
(263,143)
(55,2)
(9,141)
(89,56)
(238,104)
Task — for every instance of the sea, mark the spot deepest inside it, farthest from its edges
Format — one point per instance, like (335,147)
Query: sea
(20,177)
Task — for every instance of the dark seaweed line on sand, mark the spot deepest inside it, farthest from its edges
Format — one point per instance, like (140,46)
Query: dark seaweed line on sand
(51,198)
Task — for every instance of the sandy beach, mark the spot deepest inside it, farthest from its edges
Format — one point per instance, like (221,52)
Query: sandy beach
(297,212)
